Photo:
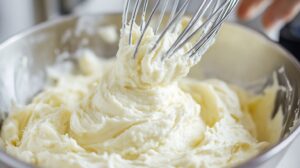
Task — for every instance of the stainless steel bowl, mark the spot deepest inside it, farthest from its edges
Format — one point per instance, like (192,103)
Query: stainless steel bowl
(239,56)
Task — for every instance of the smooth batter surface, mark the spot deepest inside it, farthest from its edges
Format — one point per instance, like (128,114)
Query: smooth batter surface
(138,113)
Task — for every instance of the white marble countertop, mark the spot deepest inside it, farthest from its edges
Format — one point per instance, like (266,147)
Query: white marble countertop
(291,158)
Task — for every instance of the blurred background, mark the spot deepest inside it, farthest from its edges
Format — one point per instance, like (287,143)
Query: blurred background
(17,15)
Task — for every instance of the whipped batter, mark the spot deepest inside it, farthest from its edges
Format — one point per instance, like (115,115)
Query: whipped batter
(138,112)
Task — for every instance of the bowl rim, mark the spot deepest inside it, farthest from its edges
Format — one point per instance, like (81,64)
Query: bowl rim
(255,161)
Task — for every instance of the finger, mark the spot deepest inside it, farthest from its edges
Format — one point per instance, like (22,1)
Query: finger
(280,11)
(247,8)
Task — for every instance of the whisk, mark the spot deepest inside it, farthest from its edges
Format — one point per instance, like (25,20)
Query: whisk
(168,13)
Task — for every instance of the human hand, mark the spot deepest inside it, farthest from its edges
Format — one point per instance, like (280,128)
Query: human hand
(278,12)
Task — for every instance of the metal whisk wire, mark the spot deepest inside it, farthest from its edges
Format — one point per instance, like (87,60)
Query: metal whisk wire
(211,14)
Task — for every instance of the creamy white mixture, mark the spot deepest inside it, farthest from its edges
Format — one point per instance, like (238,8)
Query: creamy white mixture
(138,112)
